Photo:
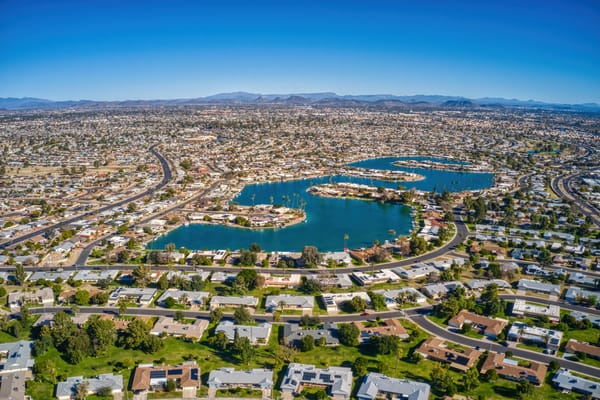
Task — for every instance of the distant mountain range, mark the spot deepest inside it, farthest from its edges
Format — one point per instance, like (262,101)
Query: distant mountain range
(327,98)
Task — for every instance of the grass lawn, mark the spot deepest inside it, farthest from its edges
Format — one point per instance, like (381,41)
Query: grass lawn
(532,347)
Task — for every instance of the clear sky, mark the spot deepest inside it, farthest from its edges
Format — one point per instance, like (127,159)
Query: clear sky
(545,50)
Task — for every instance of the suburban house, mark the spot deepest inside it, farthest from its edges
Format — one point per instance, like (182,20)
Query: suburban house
(529,285)
(333,300)
(385,275)
(229,378)
(481,284)
(511,369)
(290,302)
(490,327)
(293,334)
(142,296)
(378,386)
(283,281)
(405,294)
(337,381)
(258,334)
(67,390)
(460,360)
(438,290)
(150,378)
(89,275)
(388,327)
(186,297)
(576,294)
(521,332)
(168,326)
(416,272)
(568,382)
(16,367)
(43,297)
(233,302)
(574,346)
(522,308)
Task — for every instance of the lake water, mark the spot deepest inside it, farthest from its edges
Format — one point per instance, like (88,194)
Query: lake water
(328,219)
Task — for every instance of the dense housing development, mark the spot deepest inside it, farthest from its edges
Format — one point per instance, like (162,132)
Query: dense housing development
(288,249)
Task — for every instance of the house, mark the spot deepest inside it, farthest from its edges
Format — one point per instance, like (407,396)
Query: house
(490,327)
(382,276)
(326,280)
(233,302)
(582,279)
(51,276)
(16,367)
(510,369)
(333,300)
(283,281)
(43,297)
(168,326)
(576,294)
(416,272)
(405,294)
(387,327)
(567,382)
(88,275)
(222,277)
(337,381)
(143,296)
(293,334)
(594,319)
(438,290)
(258,334)
(290,302)
(228,378)
(521,307)
(573,346)
(539,287)
(186,297)
(481,284)
(460,360)
(67,390)
(521,332)
(378,386)
(150,378)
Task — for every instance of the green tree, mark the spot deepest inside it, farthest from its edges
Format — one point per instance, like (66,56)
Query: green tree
(348,334)
(216,315)
(310,286)
(136,335)
(82,390)
(525,388)
(255,248)
(247,258)
(102,334)
(311,256)
(20,275)
(417,246)
(45,371)
(244,349)
(219,341)
(307,343)
(241,316)
(360,366)
(357,304)
(471,379)
(388,344)
(82,298)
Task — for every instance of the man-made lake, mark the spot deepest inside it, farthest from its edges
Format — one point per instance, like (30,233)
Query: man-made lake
(328,219)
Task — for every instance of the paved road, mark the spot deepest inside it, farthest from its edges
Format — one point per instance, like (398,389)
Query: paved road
(561,185)
(166,178)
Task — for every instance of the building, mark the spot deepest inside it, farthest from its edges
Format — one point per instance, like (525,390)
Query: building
(50,276)
(573,346)
(258,334)
(229,378)
(186,297)
(67,390)
(481,284)
(16,367)
(438,290)
(539,287)
(43,297)
(460,360)
(282,281)
(416,272)
(382,276)
(490,327)
(594,319)
(388,327)
(150,378)
(521,307)
(233,302)
(333,300)
(88,275)
(293,334)
(406,294)
(337,381)
(521,332)
(290,302)
(510,369)
(327,280)
(142,296)
(576,294)
(582,279)
(567,382)
(378,386)
(168,326)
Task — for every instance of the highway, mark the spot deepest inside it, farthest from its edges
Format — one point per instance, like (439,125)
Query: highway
(167,175)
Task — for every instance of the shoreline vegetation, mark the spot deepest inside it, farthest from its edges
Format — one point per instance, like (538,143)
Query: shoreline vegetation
(362,192)
(260,216)
(442,166)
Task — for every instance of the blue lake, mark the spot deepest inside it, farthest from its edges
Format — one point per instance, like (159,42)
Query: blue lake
(328,219)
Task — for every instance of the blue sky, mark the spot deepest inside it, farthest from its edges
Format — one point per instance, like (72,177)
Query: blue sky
(111,50)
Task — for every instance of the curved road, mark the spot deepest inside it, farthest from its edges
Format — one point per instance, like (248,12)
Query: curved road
(561,185)
(166,178)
